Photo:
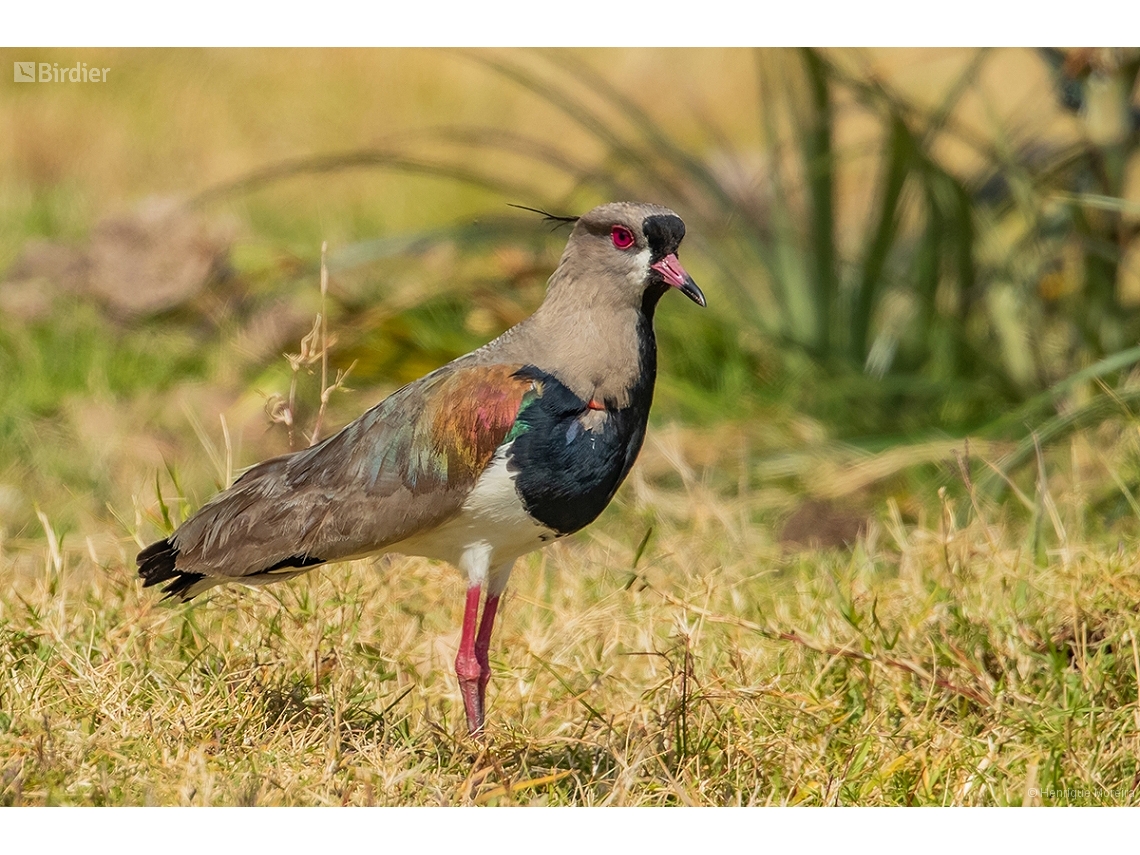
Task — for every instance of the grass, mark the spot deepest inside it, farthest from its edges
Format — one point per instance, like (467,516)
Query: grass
(929,664)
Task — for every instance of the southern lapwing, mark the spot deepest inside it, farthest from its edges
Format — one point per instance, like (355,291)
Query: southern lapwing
(506,449)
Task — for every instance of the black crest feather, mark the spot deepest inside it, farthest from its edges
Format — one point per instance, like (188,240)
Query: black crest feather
(547,216)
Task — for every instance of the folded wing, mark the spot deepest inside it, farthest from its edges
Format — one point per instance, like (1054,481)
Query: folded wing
(403,468)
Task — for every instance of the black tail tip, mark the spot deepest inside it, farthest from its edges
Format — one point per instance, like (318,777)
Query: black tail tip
(156,565)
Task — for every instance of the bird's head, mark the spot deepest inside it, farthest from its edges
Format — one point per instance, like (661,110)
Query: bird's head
(624,254)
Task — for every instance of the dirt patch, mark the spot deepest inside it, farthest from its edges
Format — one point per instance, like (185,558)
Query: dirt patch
(141,263)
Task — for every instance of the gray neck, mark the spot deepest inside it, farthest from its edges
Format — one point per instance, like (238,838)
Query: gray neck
(600,354)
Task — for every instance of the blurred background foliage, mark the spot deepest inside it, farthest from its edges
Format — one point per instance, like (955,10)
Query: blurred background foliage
(901,248)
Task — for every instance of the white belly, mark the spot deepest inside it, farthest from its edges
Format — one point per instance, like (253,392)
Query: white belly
(490,531)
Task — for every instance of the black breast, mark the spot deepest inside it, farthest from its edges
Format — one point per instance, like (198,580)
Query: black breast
(571,459)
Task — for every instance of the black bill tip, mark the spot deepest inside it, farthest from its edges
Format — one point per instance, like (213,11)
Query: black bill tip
(689,289)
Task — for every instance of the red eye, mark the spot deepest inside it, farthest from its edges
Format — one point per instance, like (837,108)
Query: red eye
(622,237)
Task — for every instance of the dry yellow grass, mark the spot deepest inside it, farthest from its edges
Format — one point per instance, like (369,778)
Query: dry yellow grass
(928,665)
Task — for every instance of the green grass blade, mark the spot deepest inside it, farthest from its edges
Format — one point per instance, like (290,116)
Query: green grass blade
(366,158)
(819,163)
(1028,412)
(1122,403)
(898,162)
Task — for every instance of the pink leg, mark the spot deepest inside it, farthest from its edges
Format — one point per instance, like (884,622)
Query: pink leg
(467,666)
(482,644)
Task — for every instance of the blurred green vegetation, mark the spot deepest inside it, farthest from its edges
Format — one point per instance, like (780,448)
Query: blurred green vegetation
(898,247)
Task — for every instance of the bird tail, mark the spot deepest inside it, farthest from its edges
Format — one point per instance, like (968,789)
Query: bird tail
(156,565)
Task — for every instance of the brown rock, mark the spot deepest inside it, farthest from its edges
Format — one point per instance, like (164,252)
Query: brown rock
(821,524)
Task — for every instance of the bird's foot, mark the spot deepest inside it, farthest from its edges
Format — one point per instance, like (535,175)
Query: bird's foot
(482,645)
(472,664)
(471,687)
